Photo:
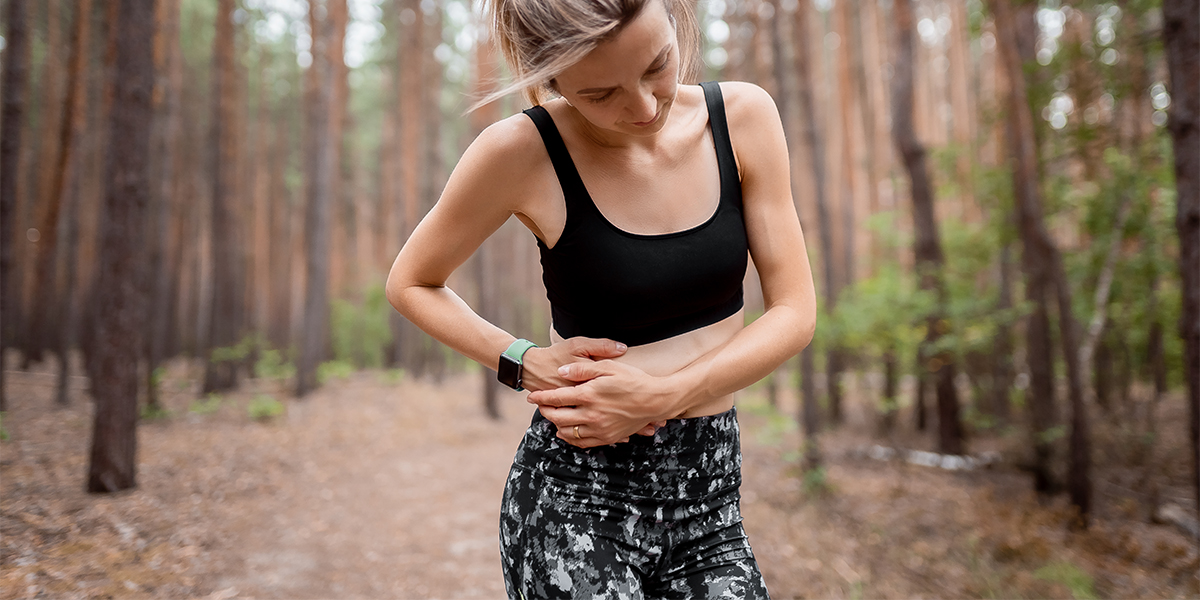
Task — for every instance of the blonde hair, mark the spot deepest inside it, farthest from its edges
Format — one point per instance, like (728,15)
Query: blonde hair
(541,38)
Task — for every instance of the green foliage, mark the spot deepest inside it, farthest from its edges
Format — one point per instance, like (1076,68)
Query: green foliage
(391,376)
(272,364)
(334,369)
(238,352)
(152,412)
(816,482)
(209,405)
(264,408)
(3,431)
(1077,580)
(361,331)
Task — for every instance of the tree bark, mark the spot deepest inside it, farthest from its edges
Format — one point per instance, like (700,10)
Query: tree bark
(16,74)
(816,146)
(1044,272)
(223,328)
(1181,41)
(927,248)
(320,187)
(120,290)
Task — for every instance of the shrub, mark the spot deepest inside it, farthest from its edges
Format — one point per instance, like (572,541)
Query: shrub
(264,408)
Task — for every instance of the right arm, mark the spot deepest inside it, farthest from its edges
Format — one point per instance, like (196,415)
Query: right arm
(495,179)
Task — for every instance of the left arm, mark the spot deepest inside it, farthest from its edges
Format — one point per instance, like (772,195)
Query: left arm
(618,399)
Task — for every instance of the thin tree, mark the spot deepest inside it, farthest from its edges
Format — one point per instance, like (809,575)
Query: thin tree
(320,155)
(1044,274)
(220,372)
(119,290)
(809,413)
(1181,40)
(926,246)
(816,151)
(16,74)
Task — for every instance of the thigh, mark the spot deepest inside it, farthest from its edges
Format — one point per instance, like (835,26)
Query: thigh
(558,543)
(732,579)
(711,558)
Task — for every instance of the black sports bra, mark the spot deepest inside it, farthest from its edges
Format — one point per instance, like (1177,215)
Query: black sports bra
(604,282)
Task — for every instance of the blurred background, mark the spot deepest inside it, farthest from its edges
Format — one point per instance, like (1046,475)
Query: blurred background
(202,199)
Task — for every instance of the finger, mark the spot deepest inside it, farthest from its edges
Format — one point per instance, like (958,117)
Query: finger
(584,371)
(648,430)
(564,418)
(597,348)
(563,396)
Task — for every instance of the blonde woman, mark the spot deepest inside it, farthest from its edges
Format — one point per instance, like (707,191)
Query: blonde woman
(646,197)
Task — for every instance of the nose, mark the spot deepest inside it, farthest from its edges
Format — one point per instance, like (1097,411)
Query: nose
(644,106)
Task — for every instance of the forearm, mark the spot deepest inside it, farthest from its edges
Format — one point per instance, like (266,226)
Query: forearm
(442,314)
(753,353)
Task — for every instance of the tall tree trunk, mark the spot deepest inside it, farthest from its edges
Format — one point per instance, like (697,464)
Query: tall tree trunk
(16,74)
(816,146)
(320,186)
(1002,365)
(58,299)
(1181,40)
(54,177)
(1042,262)
(220,372)
(120,289)
(926,246)
(810,415)
(165,141)
(35,212)
(1035,261)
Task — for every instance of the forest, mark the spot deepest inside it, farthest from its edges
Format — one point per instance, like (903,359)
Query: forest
(200,201)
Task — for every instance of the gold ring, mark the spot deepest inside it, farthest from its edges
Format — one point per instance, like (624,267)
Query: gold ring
(577,433)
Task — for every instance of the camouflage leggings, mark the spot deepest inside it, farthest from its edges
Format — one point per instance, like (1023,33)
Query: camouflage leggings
(656,517)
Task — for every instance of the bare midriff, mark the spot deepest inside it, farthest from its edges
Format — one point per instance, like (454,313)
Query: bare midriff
(669,356)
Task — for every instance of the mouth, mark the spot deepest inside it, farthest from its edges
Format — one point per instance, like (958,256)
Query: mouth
(651,121)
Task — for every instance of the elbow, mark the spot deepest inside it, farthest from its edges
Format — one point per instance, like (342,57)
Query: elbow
(394,291)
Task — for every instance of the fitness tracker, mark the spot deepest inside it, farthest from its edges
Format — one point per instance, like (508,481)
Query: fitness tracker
(512,370)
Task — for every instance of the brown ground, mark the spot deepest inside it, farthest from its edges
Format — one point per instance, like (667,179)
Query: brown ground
(378,488)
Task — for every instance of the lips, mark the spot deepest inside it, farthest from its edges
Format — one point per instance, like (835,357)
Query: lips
(651,121)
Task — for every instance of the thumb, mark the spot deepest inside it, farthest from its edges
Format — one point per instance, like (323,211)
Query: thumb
(599,348)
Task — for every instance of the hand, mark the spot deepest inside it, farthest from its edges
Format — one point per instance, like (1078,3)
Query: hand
(610,402)
(541,365)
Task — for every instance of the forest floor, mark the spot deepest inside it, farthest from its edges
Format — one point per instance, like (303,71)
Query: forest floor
(381,486)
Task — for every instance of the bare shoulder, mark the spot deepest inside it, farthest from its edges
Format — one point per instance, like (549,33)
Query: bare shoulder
(503,166)
(748,105)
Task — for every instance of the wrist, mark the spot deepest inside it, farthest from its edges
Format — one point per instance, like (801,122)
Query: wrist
(676,394)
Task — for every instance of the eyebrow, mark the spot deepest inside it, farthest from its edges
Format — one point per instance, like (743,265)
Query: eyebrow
(656,60)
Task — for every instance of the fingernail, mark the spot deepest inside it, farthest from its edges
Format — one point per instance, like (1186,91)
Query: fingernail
(564,370)
(622,347)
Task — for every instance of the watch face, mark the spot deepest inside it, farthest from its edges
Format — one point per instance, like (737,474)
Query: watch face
(509,372)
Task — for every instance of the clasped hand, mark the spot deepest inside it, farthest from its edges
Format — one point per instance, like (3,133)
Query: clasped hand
(592,399)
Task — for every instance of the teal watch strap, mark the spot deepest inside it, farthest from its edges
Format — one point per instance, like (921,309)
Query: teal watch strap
(517,349)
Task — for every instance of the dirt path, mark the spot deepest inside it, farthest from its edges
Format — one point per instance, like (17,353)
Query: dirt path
(374,488)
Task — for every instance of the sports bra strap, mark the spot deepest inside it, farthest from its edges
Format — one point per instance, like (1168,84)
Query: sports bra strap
(568,176)
(720,132)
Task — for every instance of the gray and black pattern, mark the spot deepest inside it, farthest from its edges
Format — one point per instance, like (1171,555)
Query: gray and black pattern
(656,517)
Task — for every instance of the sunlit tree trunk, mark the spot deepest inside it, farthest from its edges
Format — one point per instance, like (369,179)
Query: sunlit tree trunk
(1181,40)
(120,291)
(926,245)
(16,75)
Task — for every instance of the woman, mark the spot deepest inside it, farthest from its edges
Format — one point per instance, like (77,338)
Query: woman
(645,197)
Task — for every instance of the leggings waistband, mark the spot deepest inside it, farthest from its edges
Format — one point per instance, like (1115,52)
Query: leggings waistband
(687,459)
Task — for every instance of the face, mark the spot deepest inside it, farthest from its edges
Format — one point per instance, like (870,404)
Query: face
(627,84)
